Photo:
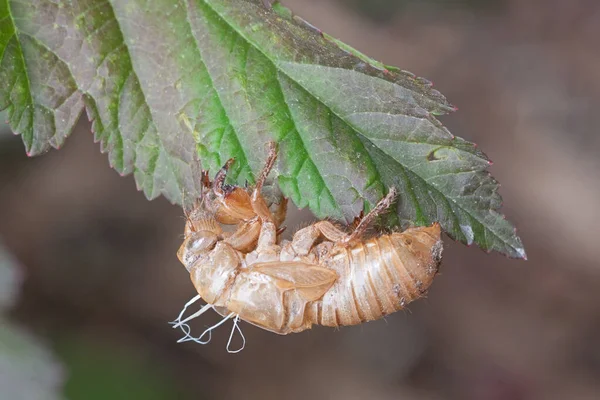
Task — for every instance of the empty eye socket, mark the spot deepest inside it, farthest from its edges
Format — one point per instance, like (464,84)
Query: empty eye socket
(202,241)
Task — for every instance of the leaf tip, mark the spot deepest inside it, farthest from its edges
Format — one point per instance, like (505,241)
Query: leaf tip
(519,251)
(522,253)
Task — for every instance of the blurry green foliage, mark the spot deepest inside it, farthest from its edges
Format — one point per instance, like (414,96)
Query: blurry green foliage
(28,370)
(101,370)
(92,369)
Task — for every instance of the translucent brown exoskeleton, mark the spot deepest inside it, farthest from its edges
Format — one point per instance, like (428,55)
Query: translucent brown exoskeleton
(324,275)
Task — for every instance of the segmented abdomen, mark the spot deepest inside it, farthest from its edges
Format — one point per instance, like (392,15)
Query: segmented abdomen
(379,276)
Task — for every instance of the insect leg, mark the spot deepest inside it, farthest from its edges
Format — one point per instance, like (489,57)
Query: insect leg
(221,175)
(271,157)
(245,237)
(258,203)
(267,238)
(268,230)
(305,238)
(205,180)
(280,213)
(379,209)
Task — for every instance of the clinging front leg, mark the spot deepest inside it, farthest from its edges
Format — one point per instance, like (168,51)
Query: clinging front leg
(305,238)
(219,182)
(258,202)
(245,237)
(364,223)
(267,241)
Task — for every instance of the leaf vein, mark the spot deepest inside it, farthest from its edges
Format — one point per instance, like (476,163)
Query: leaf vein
(198,47)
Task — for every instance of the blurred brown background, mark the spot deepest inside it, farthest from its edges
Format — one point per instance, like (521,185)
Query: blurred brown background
(102,278)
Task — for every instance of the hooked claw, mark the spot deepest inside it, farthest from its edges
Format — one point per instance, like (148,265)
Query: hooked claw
(219,185)
(205,179)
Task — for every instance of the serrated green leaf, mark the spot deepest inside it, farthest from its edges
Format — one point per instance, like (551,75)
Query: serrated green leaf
(168,83)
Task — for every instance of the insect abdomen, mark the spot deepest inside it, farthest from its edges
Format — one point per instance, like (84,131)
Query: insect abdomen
(380,276)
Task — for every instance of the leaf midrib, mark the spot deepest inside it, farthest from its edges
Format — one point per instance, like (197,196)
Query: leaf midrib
(285,103)
(308,156)
(212,84)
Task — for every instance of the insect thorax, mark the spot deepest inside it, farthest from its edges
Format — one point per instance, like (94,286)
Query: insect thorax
(213,275)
